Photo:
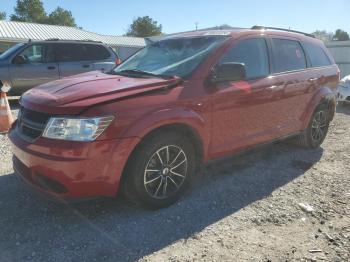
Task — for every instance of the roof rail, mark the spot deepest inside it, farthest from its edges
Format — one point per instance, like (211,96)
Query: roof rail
(88,40)
(259,27)
(73,40)
(52,39)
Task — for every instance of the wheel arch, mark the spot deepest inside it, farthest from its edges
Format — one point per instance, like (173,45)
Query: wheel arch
(183,128)
(184,119)
(324,96)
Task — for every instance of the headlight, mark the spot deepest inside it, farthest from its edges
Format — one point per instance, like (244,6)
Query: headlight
(76,129)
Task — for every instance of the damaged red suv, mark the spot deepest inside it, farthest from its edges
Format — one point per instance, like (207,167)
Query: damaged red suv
(146,126)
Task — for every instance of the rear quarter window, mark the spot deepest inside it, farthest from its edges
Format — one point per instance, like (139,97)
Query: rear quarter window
(96,52)
(317,55)
(287,55)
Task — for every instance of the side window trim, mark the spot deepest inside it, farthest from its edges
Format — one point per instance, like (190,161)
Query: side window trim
(308,59)
(47,46)
(290,39)
(266,49)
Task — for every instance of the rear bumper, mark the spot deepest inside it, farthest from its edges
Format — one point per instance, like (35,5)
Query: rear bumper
(71,170)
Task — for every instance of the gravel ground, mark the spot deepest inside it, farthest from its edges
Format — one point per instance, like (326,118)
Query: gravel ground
(278,203)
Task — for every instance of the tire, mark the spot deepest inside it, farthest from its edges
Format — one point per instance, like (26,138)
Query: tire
(316,131)
(160,170)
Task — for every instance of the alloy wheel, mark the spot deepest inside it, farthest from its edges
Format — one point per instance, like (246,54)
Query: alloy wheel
(319,126)
(165,172)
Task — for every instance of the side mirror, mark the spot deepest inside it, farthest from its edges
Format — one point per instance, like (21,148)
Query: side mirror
(229,72)
(20,59)
(118,61)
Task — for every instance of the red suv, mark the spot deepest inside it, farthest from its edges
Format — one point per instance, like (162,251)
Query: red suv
(146,126)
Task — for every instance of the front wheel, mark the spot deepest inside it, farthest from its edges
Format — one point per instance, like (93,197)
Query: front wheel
(317,129)
(160,170)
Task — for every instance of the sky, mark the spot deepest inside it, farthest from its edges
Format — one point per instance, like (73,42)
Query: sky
(113,17)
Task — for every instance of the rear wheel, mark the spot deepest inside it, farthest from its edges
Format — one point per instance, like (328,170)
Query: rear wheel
(317,129)
(160,170)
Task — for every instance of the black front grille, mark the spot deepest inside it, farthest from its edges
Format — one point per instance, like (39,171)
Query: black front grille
(31,124)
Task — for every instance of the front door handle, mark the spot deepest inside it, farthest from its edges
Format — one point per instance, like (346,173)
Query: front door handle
(51,67)
(86,66)
(312,79)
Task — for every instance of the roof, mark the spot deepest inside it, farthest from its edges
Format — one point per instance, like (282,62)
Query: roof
(20,31)
(227,30)
(200,32)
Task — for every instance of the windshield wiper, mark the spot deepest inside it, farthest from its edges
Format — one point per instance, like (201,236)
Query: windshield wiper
(141,73)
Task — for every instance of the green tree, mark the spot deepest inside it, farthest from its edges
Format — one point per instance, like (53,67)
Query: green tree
(323,35)
(61,16)
(29,11)
(144,27)
(2,15)
(341,35)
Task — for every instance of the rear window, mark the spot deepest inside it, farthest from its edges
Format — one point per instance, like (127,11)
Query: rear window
(287,55)
(316,54)
(96,52)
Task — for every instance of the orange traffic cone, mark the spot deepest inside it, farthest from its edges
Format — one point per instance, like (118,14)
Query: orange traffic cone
(6,118)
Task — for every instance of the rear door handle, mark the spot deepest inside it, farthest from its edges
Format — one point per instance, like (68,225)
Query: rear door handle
(312,79)
(51,67)
(86,66)
(272,88)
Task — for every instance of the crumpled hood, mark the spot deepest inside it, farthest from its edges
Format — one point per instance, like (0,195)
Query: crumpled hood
(73,94)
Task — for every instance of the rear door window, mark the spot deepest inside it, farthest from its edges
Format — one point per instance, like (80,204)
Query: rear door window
(287,55)
(252,53)
(96,52)
(70,52)
(316,54)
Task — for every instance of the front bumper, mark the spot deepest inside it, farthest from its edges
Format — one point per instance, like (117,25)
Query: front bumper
(71,170)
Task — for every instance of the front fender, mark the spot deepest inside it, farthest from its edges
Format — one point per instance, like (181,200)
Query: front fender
(324,95)
(183,116)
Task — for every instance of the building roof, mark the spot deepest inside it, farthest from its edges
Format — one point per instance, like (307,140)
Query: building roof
(20,31)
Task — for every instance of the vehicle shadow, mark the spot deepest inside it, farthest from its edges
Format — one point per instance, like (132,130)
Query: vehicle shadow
(35,229)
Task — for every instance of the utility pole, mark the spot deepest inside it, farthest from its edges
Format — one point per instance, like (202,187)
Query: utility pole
(196,23)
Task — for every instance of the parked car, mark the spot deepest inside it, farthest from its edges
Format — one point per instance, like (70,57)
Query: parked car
(26,65)
(146,127)
(343,91)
